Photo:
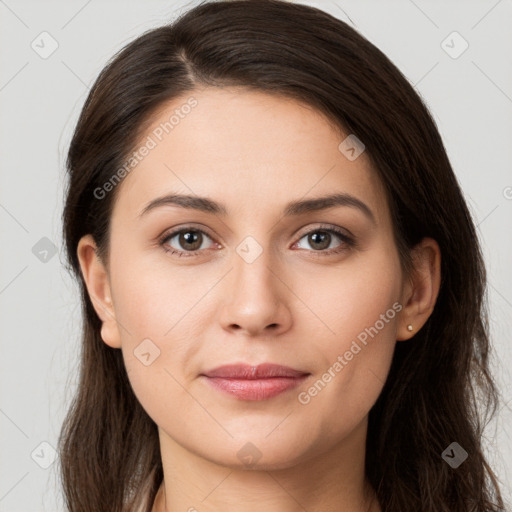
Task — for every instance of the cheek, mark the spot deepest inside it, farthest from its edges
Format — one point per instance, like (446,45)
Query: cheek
(160,316)
(156,344)
(354,296)
(152,297)
(359,305)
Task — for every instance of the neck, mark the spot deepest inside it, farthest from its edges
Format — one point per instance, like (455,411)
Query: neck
(322,482)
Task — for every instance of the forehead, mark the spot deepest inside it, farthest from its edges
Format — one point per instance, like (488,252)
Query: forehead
(246,148)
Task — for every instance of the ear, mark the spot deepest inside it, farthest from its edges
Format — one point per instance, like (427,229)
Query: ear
(420,292)
(98,286)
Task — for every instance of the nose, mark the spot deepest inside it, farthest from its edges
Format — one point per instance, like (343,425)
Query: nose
(257,299)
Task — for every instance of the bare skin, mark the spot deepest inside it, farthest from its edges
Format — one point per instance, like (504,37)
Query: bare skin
(293,305)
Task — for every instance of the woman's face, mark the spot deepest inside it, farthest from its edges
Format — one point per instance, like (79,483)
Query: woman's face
(259,280)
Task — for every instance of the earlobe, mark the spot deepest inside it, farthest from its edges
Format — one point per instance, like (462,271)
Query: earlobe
(422,289)
(96,280)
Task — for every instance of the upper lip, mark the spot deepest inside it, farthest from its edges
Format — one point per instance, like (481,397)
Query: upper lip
(249,372)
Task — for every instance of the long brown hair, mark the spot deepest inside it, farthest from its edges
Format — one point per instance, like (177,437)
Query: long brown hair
(439,389)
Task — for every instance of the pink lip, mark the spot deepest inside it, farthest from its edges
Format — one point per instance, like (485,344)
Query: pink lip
(260,382)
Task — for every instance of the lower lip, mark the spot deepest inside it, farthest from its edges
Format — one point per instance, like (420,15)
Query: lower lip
(256,389)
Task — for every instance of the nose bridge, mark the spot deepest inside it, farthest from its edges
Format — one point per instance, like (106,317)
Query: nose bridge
(255,297)
(253,268)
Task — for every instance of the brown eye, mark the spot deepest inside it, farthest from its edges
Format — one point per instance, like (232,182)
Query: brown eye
(319,240)
(183,241)
(190,240)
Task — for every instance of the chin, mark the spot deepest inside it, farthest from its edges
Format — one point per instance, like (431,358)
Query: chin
(260,454)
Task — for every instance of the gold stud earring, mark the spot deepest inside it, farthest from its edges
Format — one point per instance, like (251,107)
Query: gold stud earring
(409,327)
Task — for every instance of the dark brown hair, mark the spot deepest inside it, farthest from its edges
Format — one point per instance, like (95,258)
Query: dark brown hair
(439,389)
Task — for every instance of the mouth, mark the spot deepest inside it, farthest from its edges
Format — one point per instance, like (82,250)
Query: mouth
(246,382)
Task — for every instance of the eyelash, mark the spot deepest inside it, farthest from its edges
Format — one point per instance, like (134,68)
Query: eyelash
(349,242)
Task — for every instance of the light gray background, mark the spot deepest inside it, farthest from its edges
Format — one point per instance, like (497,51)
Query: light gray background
(471,100)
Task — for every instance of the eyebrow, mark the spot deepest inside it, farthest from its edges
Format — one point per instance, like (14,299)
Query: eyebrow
(299,207)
